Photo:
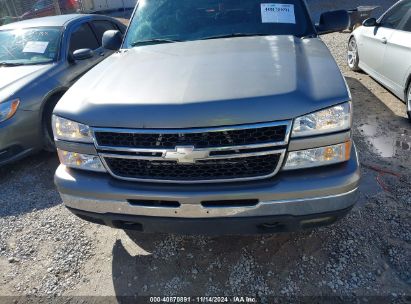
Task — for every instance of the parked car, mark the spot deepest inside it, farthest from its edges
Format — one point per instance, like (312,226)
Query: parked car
(359,14)
(8,19)
(215,116)
(43,8)
(39,60)
(382,49)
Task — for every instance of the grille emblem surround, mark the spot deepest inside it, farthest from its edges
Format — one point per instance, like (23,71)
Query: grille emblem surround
(186,154)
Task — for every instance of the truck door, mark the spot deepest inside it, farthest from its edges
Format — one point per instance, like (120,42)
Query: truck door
(397,58)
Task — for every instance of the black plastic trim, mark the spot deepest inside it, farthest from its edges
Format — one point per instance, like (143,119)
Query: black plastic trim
(210,226)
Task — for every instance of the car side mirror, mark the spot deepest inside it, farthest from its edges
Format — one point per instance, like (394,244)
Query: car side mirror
(370,22)
(112,40)
(333,21)
(82,54)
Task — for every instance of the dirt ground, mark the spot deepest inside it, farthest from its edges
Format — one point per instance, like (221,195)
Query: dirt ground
(46,251)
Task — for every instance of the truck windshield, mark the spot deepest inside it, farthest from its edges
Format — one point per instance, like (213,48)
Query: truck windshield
(165,21)
(29,46)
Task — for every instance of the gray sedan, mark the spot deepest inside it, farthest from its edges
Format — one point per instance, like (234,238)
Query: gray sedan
(382,48)
(39,60)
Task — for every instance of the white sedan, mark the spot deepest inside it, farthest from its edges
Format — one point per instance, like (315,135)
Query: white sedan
(382,49)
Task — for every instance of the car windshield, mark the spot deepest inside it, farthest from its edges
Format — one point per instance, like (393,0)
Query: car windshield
(162,21)
(29,46)
(42,4)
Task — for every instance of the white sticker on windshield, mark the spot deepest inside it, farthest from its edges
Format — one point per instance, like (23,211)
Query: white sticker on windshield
(277,13)
(38,47)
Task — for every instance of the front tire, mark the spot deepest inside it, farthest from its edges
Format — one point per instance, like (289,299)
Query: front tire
(48,137)
(352,55)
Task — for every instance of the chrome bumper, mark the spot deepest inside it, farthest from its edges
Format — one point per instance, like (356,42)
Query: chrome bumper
(297,207)
(295,193)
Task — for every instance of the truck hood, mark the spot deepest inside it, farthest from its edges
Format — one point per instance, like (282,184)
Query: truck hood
(14,78)
(207,83)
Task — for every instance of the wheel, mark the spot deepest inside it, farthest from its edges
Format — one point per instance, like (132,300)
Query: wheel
(48,137)
(352,55)
(408,101)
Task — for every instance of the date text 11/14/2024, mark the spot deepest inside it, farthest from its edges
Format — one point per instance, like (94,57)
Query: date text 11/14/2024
(205,299)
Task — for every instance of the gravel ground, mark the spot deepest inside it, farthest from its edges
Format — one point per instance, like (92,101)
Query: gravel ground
(41,248)
(46,251)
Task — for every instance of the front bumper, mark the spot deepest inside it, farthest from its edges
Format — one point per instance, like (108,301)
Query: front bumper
(290,196)
(20,136)
(213,226)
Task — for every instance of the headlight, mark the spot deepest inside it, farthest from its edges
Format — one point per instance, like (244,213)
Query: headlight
(8,109)
(334,119)
(81,161)
(318,156)
(65,129)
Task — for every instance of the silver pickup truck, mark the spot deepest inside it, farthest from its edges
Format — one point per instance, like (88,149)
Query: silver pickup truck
(213,116)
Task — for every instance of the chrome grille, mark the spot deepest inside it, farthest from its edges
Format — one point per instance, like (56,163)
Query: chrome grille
(225,154)
(216,169)
(193,137)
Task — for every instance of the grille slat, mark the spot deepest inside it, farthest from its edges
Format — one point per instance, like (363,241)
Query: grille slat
(198,140)
(236,153)
(202,170)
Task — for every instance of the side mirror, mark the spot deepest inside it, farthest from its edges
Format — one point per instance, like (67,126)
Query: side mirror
(112,40)
(370,22)
(333,21)
(82,54)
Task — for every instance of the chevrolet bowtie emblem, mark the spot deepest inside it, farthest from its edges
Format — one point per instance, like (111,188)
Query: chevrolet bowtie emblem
(186,155)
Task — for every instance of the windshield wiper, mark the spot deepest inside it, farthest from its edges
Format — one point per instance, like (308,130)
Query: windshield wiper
(154,41)
(165,40)
(234,35)
(10,64)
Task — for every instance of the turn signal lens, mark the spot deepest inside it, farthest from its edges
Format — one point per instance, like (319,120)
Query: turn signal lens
(318,157)
(8,109)
(81,161)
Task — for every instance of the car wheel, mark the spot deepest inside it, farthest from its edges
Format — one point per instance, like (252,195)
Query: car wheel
(408,101)
(352,55)
(48,137)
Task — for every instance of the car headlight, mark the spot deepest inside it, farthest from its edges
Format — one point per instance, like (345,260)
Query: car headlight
(334,119)
(81,161)
(65,129)
(318,156)
(8,109)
